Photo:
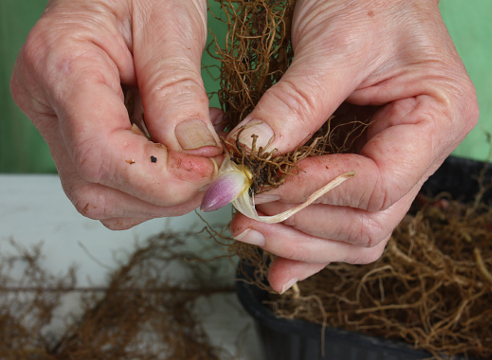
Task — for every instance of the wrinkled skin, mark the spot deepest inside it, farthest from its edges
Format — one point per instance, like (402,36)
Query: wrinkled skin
(67,80)
(393,55)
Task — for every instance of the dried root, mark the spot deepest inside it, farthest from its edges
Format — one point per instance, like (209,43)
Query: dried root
(431,288)
(256,54)
(141,314)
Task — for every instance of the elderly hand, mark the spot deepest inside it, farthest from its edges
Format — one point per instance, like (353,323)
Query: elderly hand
(68,80)
(393,55)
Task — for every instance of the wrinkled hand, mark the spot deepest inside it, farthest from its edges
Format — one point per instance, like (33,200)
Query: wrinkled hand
(68,80)
(395,56)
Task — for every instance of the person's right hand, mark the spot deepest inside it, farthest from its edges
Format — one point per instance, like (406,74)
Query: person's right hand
(393,59)
(68,78)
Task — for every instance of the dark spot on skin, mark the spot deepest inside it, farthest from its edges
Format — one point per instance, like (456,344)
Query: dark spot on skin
(153,159)
(370,13)
(189,168)
(326,167)
(131,161)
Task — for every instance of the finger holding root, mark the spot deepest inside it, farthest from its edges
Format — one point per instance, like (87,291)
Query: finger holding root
(289,243)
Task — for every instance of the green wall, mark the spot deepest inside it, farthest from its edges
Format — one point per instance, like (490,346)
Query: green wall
(470,24)
(23,150)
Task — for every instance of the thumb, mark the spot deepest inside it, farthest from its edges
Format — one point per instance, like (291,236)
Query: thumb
(169,38)
(293,109)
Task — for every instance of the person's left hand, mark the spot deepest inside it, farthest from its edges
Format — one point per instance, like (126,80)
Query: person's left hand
(69,79)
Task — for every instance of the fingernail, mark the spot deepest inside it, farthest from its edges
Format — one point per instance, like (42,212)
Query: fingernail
(288,285)
(255,127)
(265,198)
(194,134)
(252,237)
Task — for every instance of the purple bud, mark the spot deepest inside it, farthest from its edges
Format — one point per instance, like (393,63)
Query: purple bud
(224,190)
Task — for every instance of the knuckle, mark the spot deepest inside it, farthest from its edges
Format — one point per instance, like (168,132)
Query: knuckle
(34,49)
(369,233)
(293,252)
(471,111)
(86,203)
(90,162)
(48,59)
(371,256)
(118,224)
(168,83)
(459,104)
(84,66)
(376,252)
(365,256)
(379,198)
(298,101)
(378,192)
(17,91)
(28,67)
(388,196)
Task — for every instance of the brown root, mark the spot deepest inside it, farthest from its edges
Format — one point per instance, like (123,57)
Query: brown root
(256,53)
(431,288)
(140,314)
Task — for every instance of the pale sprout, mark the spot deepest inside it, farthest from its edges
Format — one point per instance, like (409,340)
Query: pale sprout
(232,185)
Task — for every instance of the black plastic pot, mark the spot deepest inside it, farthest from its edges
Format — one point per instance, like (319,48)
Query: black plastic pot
(285,339)
(458,177)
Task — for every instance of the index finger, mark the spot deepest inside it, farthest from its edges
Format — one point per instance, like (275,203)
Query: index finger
(97,132)
(408,140)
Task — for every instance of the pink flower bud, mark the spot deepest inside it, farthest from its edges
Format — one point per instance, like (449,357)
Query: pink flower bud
(224,190)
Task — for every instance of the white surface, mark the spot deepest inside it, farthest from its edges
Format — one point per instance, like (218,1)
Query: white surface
(33,208)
